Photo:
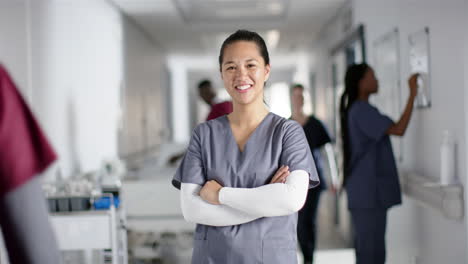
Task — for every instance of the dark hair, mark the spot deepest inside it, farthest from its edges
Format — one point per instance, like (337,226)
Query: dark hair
(204,83)
(296,86)
(354,74)
(245,35)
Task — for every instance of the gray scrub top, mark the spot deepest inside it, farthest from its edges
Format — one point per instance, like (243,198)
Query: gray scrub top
(213,154)
(373,182)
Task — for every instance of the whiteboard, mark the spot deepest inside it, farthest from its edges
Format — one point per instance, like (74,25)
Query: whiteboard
(387,70)
(419,60)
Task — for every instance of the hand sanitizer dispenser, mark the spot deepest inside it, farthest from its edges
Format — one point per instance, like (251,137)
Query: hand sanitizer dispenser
(447,160)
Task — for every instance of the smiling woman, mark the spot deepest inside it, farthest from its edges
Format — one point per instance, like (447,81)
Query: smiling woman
(245,175)
(244,72)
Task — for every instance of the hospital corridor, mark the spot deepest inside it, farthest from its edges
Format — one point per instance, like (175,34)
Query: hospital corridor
(233,131)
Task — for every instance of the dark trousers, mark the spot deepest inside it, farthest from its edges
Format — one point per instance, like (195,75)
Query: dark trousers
(306,225)
(369,230)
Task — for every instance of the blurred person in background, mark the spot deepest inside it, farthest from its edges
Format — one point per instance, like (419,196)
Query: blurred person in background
(208,95)
(317,137)
(217,108)
(24,154)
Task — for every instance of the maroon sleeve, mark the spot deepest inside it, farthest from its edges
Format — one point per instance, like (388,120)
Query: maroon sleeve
(220,109)
(24,149)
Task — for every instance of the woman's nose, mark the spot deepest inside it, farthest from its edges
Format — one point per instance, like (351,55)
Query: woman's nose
(241,71)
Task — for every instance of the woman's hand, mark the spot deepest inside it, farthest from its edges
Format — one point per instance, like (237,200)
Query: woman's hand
(210,192)
(413,84)
(281,174)
(399,128)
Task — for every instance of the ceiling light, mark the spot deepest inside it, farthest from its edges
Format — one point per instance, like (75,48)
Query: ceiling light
(275,8)
(272,39)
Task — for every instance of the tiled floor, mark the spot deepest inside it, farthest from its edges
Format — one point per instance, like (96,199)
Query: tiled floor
(335,256)
(332,247)
(332,256)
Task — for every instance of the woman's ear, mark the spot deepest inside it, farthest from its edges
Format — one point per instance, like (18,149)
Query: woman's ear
(267,72)
(359,86)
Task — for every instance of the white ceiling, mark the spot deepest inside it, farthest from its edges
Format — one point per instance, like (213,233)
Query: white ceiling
(199,26)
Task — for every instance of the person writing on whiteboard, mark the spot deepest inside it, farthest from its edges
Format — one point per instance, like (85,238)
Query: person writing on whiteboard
(370,173)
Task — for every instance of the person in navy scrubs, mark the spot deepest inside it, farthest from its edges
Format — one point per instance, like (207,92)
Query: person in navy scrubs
(370,172)
(317,136)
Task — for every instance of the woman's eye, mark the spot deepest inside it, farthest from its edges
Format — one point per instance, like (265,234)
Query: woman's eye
(230,68)
(251,65)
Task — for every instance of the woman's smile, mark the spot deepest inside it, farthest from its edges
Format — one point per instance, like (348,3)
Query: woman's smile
(243,88)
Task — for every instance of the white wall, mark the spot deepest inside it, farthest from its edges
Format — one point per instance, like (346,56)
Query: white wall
(77,72)
(416,231)
(67,58)
(321,62)
(144,123)
(465,72)
(182,89)
(13,42)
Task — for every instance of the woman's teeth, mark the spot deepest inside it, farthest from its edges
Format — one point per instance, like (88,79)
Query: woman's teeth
(244,87)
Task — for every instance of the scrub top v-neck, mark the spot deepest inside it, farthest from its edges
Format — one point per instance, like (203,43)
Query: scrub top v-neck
(213,154)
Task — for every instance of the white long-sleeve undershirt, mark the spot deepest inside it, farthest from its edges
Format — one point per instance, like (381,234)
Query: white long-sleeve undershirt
(242,205)
(269,200)
(197,210)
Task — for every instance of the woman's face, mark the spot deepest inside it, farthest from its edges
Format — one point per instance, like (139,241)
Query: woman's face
(369,84)
(297,99)
(244,72)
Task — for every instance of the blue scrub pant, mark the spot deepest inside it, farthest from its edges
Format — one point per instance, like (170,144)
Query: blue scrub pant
(369,230)
(306,225)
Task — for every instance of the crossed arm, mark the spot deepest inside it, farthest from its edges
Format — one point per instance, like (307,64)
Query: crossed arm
(234,206)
